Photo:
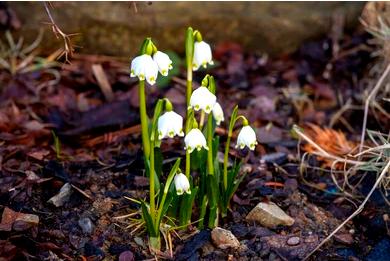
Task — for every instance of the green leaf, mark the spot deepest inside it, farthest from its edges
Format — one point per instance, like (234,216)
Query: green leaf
(148,220)
(163,204)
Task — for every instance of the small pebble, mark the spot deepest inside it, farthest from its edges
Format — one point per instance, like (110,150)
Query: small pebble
(62,197)
(293,241)
(126,256)
(86,225)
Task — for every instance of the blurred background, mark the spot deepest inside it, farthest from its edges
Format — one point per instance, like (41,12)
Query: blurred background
(118,28)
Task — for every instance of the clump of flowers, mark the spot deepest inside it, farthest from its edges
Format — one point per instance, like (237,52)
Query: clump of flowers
(213,188)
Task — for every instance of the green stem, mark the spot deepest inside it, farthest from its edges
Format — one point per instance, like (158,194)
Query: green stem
(189,84)
(225,159)
(210,161)
(151,182)
(201,121)
(188,164)
(233,121)
(144,119)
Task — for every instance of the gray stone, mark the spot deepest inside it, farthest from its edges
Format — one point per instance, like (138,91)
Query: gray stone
(269,215)
(86,225)
(224,239)
(116,28)
(62,197)
(293,241)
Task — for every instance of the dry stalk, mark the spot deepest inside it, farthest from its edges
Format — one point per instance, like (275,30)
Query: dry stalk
(357,211)
(68,49)
(370,97)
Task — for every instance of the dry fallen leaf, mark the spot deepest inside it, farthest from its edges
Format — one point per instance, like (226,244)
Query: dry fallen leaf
(332,141)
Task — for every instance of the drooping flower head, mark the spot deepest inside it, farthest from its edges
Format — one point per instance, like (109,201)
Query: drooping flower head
(218,113)
(202,55)
(182,184)
(203,99)
(163,61)
(195,140)
(144,68)
(170,124)
(246,137)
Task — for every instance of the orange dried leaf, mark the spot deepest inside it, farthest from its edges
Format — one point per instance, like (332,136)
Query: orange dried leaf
(332,141)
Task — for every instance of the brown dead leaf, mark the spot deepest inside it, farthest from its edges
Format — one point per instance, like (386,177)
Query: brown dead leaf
(332,141)
(39,154)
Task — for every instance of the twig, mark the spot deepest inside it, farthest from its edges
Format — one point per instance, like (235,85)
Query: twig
(379,179)
(68,45)
(369,98)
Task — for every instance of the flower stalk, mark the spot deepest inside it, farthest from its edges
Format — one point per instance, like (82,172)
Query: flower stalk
(189,46)
(144,119)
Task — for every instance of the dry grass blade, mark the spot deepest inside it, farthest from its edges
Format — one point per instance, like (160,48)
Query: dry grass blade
(68,49)
(357,211)
(369,99)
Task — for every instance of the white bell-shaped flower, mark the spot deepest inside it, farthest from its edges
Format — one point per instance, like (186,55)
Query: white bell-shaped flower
(195,140)
(218,113)
(247,137)
(202,55)
(144,68)
(203,99)
(182,184)
(170,124)
(163,61)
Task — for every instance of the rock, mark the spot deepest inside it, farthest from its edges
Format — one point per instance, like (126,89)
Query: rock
(139,242)
(62,197)
(25,221)
(115,28)
(293,241)
(224,239)
(126,256)
(269,215)
(86,225)
(16,220)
